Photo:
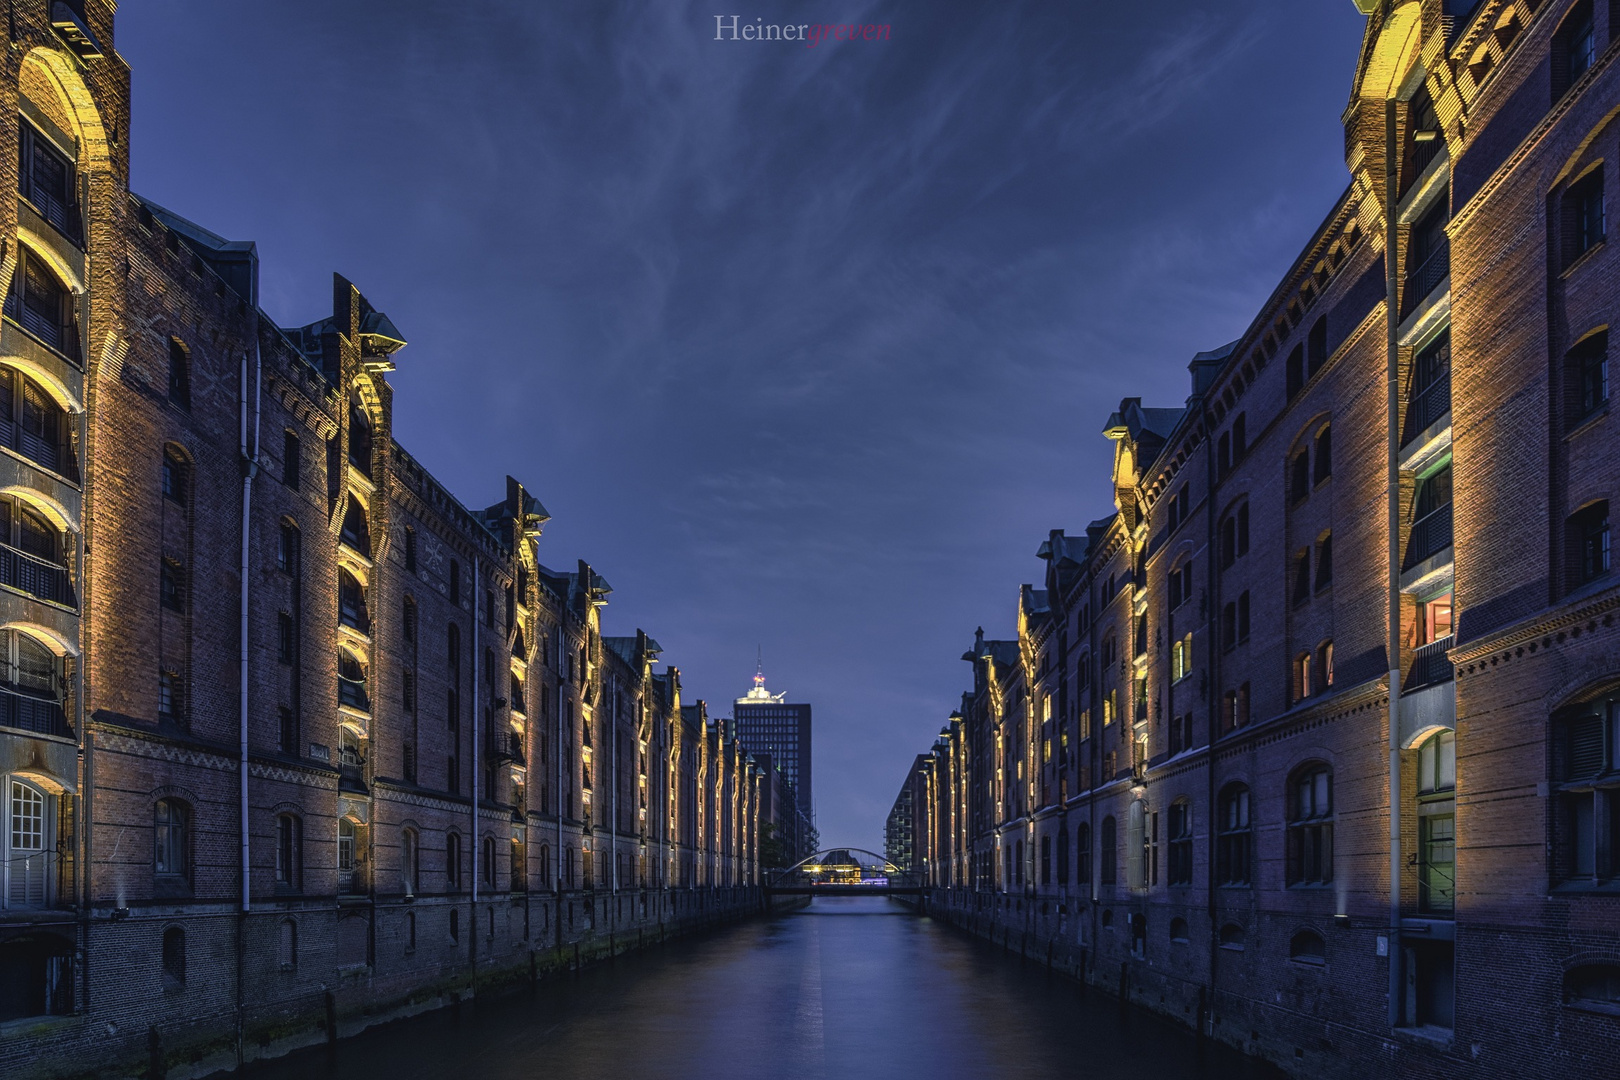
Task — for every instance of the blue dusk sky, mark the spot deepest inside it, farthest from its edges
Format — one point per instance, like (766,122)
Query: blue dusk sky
(805,349)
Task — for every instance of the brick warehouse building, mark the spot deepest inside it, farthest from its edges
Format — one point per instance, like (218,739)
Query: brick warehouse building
(1183,778)
(290,739)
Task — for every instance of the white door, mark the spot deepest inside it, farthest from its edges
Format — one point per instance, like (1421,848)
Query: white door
(27,854)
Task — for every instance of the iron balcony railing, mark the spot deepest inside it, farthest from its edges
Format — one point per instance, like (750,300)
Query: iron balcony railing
(35,576)
(36,448)
(43,716)
(1429,405)
(1430,665)
(1422,279)
(30,880)
(44,326)
(64,217)
(507,746)
(1430,536)
(353,694)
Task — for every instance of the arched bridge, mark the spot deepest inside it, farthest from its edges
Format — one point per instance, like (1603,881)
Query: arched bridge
(843,872)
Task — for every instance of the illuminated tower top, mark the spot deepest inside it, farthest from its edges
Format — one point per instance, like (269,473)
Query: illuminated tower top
(759,695)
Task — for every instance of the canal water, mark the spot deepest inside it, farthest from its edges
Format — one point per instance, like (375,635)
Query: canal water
(847,987)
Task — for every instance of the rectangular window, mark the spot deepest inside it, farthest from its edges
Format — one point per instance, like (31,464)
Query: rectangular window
(168,695)
(1243,616)
(284,637)
(287,731)
(289,460)
(1588,533)
(169,589)
(1181,843)
(1586,376)
(1583,216)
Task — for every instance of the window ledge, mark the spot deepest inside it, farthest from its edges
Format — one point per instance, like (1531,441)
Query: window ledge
(1587,422)
(1582,259)
(1427,1034)
(1600,1008)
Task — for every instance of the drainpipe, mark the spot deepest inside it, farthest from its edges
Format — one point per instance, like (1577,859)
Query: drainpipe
(557,759)
(1392,318)
(613,795)
(477,843)
(250,469)
(1213,698)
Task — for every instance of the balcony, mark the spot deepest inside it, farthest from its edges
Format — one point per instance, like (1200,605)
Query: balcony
(31,881)
(1430,536)
(1430,667)
(352,692)
(507,746)
(42,716)
(37,577)
(1424,278)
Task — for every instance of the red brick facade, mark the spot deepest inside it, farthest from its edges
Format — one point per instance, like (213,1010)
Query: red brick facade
(291,739)
(1176,780)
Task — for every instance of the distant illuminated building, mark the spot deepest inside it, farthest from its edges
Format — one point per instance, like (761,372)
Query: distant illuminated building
(768,723)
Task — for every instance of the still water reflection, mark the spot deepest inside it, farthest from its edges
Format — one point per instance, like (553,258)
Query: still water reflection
(846,987)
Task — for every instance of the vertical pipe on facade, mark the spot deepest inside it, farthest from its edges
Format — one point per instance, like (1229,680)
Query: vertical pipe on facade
(1392,319)
(472,938)
(1213,692)
(613,792)
(250,468)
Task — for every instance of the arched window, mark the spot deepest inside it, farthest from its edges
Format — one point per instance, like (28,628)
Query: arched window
(1063,855)
(33,424)
(172,850)
(352,602)
(1296,370)
(174,958)
(40,569)
(1181,842)
(1046,860)
(1437,823)
(359,437)
(356,532)
(545,867)
(289,851)
(408,619)
(46,178)
(1109,854)
(455,924)
(1310,826)
(287,944)
(519,872)
(1018,864)
(1302,676)
(452,862)
(1586,375)
(179,374)
(352,682)
(410,861)
(1308,947)
(1232,937)
(1178,929)
(487,870)
(1234,841)
(42,304)
(1324,455)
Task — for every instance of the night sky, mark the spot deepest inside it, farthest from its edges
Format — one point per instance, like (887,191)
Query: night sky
(804,349)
